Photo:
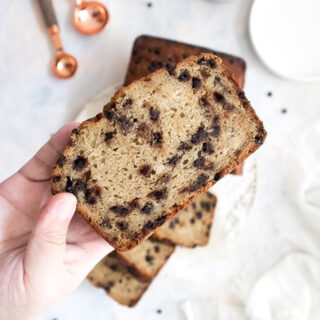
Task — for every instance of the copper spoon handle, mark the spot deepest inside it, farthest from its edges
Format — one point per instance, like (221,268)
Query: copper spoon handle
(51,22)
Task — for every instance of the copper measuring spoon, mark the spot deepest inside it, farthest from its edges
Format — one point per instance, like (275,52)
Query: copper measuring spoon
(90,17)
(64,65)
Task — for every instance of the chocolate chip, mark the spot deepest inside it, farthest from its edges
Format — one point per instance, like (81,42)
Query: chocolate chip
(120,210)
(56,179)
(145,170)
(202,61)
(156,139)
(122,225)
(109,114)
(241,94)
(170,68)
(258,139)
(192,220)
(215,131)
(113,267)
(108,136)
(199,215)
(79,186)
(194,205)
(173,160)
(201,134)
(105,223)
(217,79)
(80,163)
(205,205)
(196,83)
(109,285)
(127,103)
(207,148)
(200,182)
(159,194)
(147,208)
(184,75)
(185,55)
(156,249)
(92,194)
(212,64)
(217,176)
(152,225)
(61,161)
(68,184)
(172,225)
(199,163)
(154,114)
(219,98)
(149,258)
(203,102)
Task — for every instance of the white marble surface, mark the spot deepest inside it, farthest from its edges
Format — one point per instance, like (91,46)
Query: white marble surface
(34,105)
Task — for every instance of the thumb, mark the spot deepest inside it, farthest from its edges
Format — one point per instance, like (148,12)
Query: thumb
(46,246)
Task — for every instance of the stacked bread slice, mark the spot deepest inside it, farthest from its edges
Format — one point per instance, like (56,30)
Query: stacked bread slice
(125,276)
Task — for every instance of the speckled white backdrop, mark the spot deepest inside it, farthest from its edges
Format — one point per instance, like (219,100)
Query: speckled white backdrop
(33,104)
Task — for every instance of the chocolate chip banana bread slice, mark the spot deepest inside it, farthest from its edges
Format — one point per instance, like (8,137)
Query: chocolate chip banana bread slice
(191,227)
(146,259)
(111,274)
(152,53)
(159,143)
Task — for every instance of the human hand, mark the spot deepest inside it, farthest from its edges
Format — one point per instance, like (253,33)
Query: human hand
(45,252)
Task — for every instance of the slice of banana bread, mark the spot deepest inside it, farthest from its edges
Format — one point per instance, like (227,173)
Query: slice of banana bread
(152,53)
(146,259)
(159,143)
(191,227)
(111,274)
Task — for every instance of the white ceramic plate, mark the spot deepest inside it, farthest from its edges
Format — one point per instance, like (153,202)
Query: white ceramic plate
(285,34)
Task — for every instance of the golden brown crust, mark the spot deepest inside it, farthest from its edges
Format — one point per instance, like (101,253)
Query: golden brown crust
(174,210)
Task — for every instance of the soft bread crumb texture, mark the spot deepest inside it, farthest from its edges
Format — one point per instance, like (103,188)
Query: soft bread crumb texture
(159,143)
